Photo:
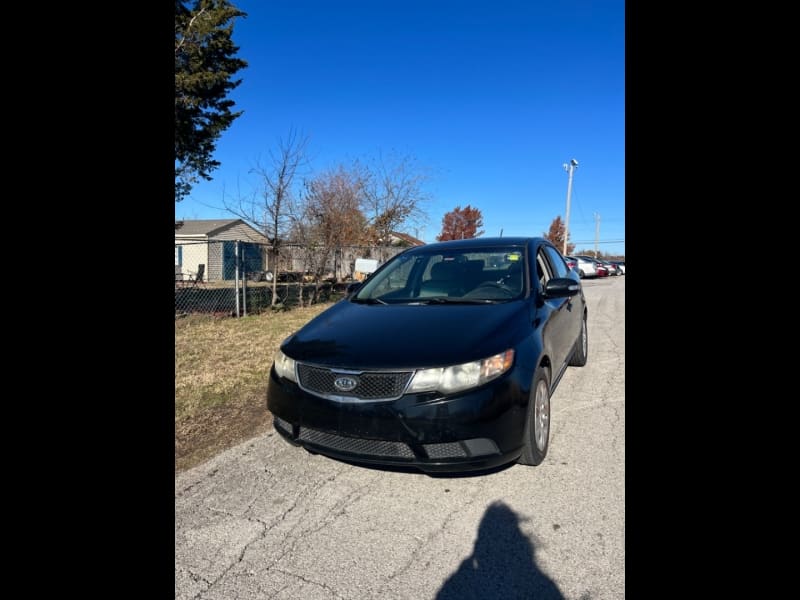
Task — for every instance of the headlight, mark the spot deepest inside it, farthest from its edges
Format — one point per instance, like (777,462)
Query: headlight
(461,377)
(284,366)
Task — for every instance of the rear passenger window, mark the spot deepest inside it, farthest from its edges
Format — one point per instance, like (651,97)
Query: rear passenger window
(557,262)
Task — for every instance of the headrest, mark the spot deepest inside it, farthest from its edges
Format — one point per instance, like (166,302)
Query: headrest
(473,266)
(443,270)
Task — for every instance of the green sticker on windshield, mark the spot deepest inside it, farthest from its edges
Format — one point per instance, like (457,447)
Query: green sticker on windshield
(513,257)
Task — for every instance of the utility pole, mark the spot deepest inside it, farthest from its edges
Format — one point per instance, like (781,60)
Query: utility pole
(569,168)
(596,232)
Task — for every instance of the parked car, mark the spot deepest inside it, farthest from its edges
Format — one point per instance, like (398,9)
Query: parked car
(571,261)
(612,268)
(584,267)
(620,266)
(445,359)
(601,270)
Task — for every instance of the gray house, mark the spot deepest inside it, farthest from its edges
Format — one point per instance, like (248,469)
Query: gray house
(212,242)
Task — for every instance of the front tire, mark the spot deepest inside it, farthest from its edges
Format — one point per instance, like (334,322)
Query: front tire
(537,427)
(581,352)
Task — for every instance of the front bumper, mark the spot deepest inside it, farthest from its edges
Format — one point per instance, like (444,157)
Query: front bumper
(475,430)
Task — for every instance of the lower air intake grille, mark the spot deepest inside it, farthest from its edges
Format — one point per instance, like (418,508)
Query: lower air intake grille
(355,445)
(450,450)
(284,426)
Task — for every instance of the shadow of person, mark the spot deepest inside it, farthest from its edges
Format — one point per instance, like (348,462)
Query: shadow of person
(502,564)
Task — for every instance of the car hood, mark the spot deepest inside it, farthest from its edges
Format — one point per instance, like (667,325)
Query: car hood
(381,336)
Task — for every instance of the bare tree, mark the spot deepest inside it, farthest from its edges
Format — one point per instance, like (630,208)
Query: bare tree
(333,203)
(270,208)
(329,218)
(394,195)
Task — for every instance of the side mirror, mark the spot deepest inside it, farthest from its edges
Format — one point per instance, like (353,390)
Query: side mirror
(353,288)
(561,287)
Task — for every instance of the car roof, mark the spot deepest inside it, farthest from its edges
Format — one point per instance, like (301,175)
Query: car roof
(481,242)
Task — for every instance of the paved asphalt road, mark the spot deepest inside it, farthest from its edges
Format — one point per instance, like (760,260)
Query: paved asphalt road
(268,520)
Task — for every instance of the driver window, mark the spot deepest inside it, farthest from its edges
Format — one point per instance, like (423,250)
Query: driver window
(542,269)
(557,262)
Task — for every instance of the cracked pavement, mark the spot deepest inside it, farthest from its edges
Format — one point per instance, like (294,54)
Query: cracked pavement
(268,520)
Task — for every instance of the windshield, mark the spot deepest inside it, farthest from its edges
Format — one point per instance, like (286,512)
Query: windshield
(478,276)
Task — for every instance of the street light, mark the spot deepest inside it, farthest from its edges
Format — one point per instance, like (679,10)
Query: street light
(569,168)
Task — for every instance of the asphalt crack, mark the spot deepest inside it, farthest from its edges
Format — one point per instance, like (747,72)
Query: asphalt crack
(424,542)
(198,482)
(238,560)
(338,509)
(197,579)
(309,581)
(265,527)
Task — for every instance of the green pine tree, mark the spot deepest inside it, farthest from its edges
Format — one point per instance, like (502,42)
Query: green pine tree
(205,63)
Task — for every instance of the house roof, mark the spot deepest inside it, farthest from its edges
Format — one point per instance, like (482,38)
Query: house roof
(407,238)
(210,227)
(203,226)
(215,228)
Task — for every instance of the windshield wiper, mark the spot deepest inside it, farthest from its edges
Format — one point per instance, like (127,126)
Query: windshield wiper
(369,301)
(446,300)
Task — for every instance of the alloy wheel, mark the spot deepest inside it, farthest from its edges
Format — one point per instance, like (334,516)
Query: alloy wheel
(541,415)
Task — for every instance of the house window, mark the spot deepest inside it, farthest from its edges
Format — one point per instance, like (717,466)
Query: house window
(178,256)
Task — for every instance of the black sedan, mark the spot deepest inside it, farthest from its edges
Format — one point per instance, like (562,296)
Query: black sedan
(445,359)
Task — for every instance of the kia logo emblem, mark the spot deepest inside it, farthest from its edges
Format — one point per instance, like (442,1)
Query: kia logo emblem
(345,384)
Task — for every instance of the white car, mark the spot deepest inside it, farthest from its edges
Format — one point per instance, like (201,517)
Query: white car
(584,268)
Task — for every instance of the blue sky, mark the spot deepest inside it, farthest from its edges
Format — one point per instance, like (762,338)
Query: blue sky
(492,97)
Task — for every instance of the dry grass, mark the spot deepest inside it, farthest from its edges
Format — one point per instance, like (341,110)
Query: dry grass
(221,371)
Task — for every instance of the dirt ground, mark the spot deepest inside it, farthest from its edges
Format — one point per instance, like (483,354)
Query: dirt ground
(200,436)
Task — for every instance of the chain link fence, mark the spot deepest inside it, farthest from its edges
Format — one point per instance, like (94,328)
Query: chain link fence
(236,278)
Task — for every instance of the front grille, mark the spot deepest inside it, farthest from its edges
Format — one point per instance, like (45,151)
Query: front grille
(370,385)
(359,446)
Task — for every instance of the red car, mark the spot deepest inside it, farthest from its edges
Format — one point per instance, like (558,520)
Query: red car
(602,270)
